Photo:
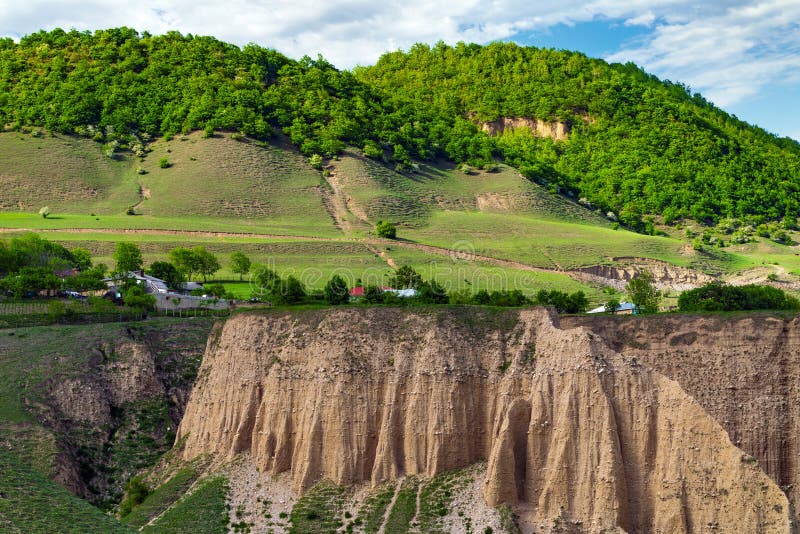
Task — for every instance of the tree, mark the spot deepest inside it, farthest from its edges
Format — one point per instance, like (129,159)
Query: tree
(166,272)
(405,278)
(185,261)
(336,291)
(386,230)
(292,292)
(30,281)
(432,293)
(216,290)
(45,212)
(128,257)
(643,293)
(267,283)
(81,258)
(611,306)
(135,297)
(240,264)
(373,295)
(207,263)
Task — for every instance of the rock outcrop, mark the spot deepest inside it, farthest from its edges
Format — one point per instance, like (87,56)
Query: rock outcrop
(557,131)
(667,276)
(744,370)
(576,435)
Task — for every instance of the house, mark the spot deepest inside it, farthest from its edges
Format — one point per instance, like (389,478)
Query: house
(150,284)
(624,308)
(165,299)
(402,293)
(358,291)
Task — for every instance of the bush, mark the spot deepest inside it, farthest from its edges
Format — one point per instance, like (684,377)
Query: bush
(373,295)
(643,292)
(386,230)
(513,298)
(136,491)
(45,212)
(372,150)
(718,296)
(135,297)
(563,302)
(431,293)
(164,163)
(336,291)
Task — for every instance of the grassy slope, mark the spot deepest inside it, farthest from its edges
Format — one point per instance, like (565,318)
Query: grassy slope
(223,185)
(236,180)
(66,173)
(32,359)
(202,511)
(31,503)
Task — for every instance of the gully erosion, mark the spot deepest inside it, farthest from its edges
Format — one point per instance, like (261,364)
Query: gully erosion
(640,425)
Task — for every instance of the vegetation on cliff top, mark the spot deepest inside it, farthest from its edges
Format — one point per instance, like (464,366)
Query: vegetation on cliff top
(637,145)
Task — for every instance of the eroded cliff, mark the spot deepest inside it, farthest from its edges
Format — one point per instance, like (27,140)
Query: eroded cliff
(575,434)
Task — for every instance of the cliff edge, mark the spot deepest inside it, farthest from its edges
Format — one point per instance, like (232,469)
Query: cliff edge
(576,435)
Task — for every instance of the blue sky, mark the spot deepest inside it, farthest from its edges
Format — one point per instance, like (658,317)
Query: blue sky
(743,55)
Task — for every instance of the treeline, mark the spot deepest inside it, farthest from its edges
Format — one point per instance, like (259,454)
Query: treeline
(717,296)
(638,146)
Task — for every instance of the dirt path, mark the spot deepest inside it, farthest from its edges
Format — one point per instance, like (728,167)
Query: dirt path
(153,231)
(416,510)
(344,207)
(470,256)
(329,202)
(382,529)
(384,256)
(144,194)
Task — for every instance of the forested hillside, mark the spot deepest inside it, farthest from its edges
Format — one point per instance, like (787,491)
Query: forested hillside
(636,146)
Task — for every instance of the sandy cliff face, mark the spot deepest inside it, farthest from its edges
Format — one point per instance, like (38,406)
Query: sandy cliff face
(744,371)
(576,435)
(555,130)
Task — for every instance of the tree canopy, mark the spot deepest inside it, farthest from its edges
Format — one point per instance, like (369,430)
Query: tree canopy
(632,144)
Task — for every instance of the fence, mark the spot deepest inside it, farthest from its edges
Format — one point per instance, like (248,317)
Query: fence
(19,315)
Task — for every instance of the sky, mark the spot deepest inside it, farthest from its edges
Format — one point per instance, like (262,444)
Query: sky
(743,55)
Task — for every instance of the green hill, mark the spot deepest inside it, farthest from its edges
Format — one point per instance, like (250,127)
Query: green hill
(628,142)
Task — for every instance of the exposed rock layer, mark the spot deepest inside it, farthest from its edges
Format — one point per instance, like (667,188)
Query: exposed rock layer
(744,370)
(574,433)
(555,130)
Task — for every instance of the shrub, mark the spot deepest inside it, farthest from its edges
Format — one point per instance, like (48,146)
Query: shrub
(136,490)
(315,161)
(372,150)
(45,212)
(164,163)
(373,295)
(336,291)
(135,297)
(386,230)
(717,296)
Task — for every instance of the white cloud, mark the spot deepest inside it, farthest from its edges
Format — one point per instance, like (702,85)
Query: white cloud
(347,32)
(729,55)
(645,19)
(729,49)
